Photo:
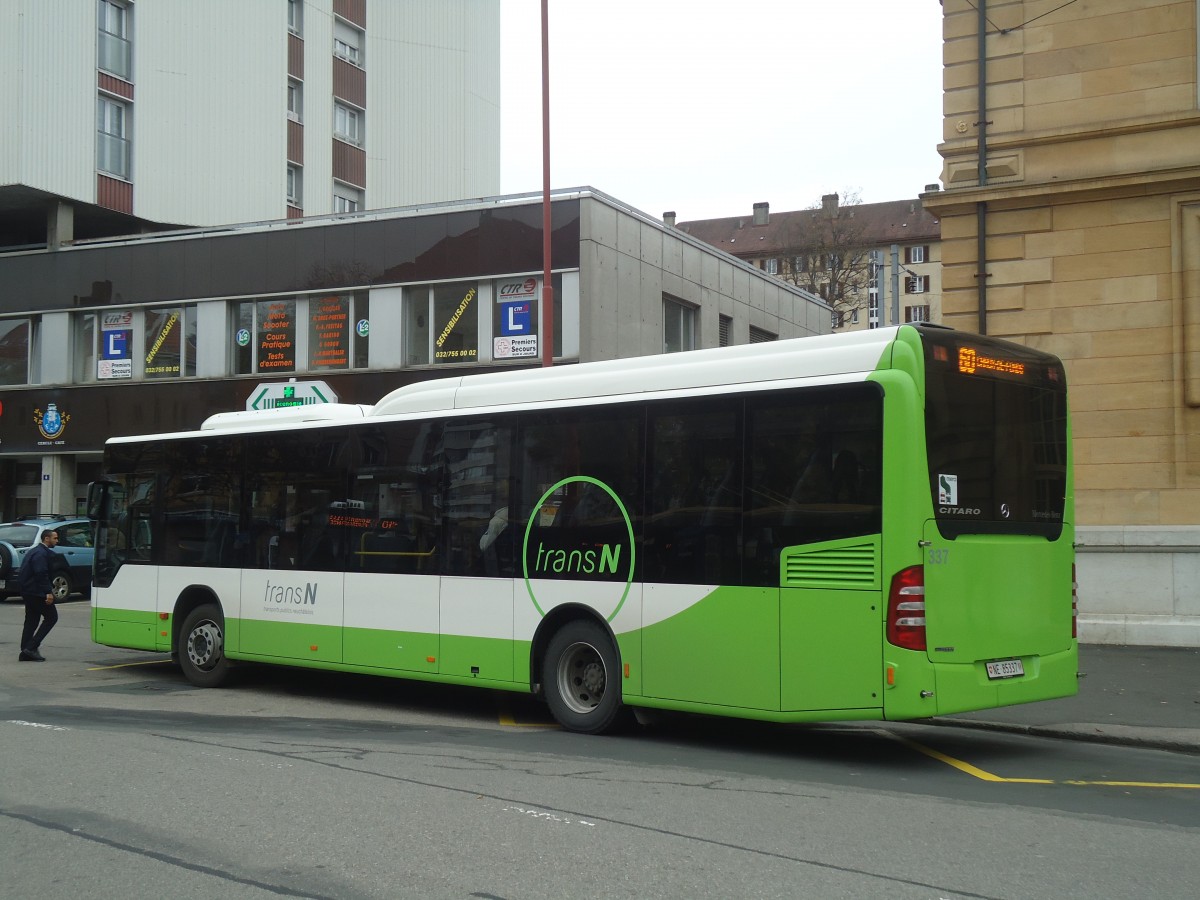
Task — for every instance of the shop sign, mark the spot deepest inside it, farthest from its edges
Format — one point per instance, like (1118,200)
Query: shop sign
(290,393)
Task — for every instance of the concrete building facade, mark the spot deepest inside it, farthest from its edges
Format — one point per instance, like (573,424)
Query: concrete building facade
(1071,221)
(155,333)
(122,116)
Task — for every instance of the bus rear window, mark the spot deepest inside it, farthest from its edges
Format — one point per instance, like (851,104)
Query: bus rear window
(996,428)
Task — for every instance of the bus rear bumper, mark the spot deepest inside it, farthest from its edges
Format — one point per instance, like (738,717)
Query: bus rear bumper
(967,687)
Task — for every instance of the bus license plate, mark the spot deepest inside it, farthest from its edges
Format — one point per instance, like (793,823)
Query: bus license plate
(1005,668)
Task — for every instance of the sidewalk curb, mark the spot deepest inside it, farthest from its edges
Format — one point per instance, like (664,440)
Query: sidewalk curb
(1123,735)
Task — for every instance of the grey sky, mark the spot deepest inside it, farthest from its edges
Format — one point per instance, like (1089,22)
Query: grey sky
(705,107)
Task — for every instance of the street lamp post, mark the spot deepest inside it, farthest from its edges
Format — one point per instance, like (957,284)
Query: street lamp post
(547,284)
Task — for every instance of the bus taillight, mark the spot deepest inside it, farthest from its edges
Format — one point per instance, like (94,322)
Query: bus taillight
(906,609)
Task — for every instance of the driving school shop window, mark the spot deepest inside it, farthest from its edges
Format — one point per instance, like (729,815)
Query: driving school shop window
(339,329)
(456,323)
(441,323)
(170,342)
(264,336)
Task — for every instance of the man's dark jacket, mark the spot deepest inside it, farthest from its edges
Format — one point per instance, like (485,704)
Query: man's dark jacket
(33,579)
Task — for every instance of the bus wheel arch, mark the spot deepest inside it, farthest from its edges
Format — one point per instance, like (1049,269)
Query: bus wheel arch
(576,663)
(199,638)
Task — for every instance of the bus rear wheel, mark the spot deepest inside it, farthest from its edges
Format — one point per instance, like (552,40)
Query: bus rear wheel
(201,648)
(579,675)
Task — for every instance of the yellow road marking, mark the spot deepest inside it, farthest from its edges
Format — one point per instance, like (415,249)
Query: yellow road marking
(966,767)
(983,775)
(1179,785)
(506,719)
(148,662)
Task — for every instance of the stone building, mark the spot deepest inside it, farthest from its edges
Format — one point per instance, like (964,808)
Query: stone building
(1070,220)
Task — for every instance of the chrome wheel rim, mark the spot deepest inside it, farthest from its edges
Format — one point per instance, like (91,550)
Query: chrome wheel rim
(581,677)
(204,645)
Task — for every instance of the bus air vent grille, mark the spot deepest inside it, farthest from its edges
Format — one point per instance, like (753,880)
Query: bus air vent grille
(848,568)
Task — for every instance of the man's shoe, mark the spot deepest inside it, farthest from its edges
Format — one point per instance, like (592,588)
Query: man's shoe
(31,656)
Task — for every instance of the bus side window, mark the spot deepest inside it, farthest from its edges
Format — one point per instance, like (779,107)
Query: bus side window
(478,491)
(814,472)
(580,480)
(395,494)
(693,520)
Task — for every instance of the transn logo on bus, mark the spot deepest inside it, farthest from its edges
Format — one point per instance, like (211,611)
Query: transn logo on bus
(290,595)
(579,547)
(582,562)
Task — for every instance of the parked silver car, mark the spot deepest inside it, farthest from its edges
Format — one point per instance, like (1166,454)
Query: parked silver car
(75,550)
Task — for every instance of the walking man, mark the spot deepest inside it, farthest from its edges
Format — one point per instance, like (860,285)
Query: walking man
(36,590)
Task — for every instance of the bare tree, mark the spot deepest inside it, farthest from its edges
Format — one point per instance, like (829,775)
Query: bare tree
(831,257)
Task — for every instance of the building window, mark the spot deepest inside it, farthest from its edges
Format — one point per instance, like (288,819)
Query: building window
(170,342)
(264,336)
(346,199)
(761,335)
(112,147)
(441,323)
(338,332)
(916,284)
(679,325)
(772,267)
(104,344)
(841,318)
(916,313)
(348,123)
(112,42)
(347,43)
(295,194)
(724,330)
(295,16)
(873,310)
(515,316)
(15,337)
(916,254)
(800,264)
(295,100)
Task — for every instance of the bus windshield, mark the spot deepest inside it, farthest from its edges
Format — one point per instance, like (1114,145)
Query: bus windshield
(996,427)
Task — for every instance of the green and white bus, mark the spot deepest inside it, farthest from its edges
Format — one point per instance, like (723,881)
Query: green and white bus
(874,525)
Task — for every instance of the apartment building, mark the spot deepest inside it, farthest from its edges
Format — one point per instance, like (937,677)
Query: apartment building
(124,116)
(875,264)
(1070,221)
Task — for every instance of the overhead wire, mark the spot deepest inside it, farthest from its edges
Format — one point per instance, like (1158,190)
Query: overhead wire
(999,30)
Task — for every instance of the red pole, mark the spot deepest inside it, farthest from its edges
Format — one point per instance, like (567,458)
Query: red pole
(547,284)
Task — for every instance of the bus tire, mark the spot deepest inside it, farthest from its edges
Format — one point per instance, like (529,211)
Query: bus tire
(581,680)
(201,650)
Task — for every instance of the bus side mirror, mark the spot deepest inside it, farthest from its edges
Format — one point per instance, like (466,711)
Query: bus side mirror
(97,499)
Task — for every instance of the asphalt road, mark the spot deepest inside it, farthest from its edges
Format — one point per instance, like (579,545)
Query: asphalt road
(118,779)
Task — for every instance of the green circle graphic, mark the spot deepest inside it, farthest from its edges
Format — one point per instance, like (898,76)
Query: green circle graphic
(537,511)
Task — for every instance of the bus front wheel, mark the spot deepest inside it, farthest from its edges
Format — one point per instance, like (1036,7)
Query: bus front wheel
(202,647)
(579,676)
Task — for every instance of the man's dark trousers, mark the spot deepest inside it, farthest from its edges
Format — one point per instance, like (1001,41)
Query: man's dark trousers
(37,609)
